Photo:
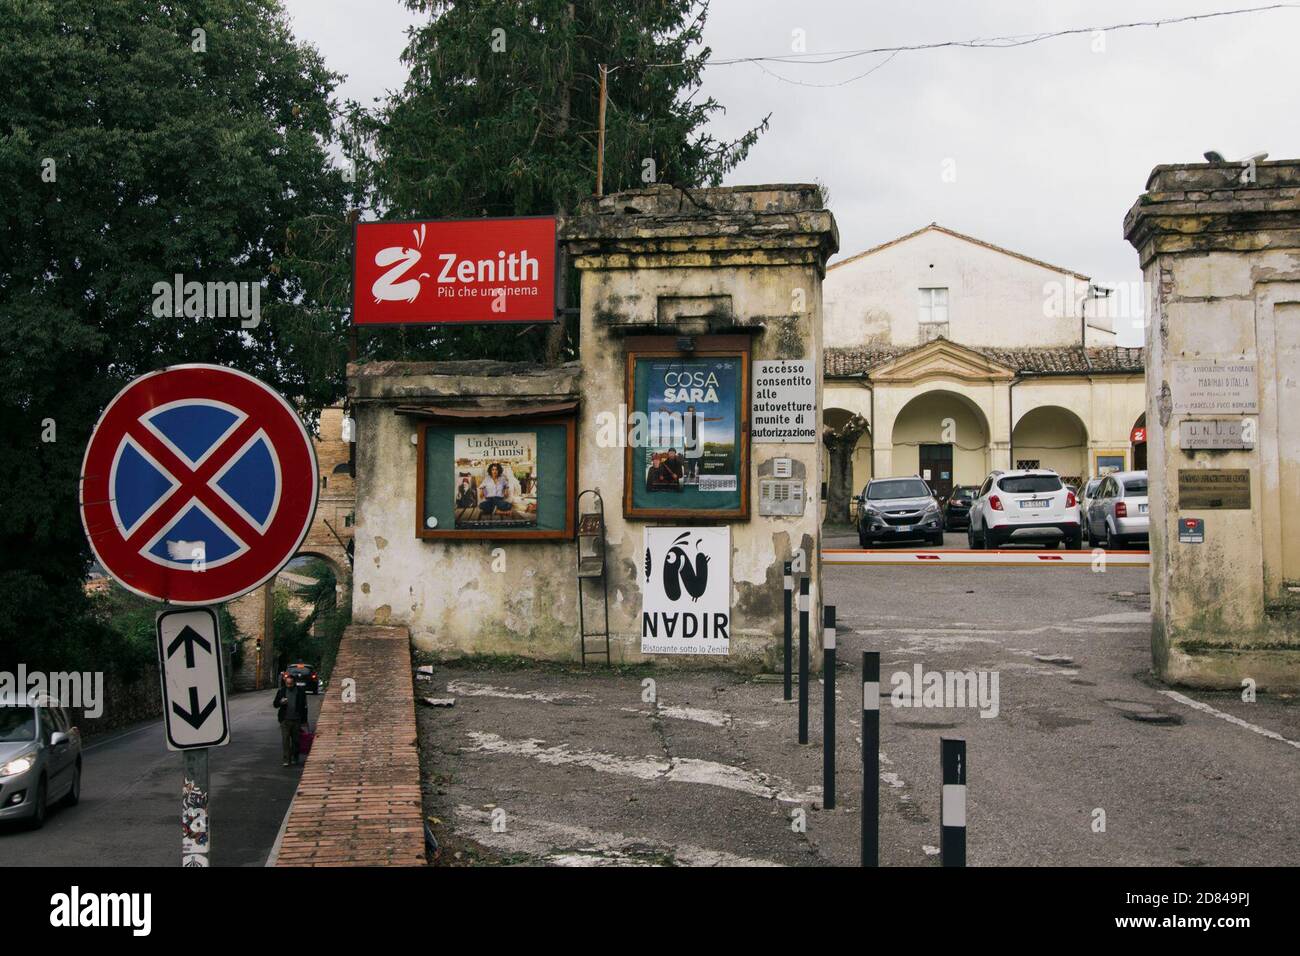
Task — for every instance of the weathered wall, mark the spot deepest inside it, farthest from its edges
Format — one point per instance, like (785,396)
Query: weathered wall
(454,596)
(1222,262)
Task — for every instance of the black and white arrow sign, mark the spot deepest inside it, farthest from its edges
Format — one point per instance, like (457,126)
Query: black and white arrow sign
(193,680)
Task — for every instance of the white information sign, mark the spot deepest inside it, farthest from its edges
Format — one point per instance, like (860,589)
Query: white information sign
(784,407)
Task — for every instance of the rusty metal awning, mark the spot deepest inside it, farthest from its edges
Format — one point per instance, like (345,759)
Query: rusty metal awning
(478,413)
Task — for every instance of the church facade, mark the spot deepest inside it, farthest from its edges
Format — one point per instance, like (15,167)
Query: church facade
(948,357)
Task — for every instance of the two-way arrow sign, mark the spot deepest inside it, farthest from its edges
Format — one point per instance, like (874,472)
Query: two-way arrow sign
(193,680)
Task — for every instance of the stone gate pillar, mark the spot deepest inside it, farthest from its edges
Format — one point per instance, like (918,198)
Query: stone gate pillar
(1219,246)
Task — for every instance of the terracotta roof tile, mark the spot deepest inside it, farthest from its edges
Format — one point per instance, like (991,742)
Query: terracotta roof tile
(842,362)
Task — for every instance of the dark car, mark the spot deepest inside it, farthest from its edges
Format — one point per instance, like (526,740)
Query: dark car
(305,675)
(956,511)
(894,509)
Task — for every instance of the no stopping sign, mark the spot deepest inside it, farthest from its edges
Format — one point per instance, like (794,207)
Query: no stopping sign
(198,484)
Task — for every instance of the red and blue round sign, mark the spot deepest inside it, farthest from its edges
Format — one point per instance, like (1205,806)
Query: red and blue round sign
(199,483)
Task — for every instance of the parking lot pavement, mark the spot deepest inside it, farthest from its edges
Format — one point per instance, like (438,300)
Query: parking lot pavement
(129,814)
(1087,761)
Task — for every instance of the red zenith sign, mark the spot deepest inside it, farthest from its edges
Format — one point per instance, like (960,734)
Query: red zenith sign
(1138,435)
(199,483)
(454,271)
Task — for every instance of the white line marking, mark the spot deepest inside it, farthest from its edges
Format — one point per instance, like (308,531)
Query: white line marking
(699,715)
(564,845)
(675,769)
(1207,709)
(470,689)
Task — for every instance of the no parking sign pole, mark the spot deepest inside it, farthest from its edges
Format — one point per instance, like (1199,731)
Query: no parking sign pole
(198,484)
(870,758)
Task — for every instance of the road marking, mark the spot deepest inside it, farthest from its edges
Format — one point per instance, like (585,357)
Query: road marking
(994,558)
(674,769)
(470,689)
(1207,709)
(586,847)
(698,715)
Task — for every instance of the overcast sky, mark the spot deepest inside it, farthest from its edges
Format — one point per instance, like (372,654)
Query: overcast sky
(1046,146)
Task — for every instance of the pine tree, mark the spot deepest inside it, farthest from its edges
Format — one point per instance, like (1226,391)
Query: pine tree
(499,118)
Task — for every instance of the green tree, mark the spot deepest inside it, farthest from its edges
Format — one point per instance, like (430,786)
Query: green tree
(139,140)
(499,117)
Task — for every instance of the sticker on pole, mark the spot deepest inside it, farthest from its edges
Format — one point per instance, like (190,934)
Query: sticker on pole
(193,681)
(199,483)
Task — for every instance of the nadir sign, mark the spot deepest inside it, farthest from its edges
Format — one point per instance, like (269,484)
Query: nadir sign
(198,484)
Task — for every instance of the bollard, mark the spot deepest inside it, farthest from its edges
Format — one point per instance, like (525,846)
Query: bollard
(789,635)
(803,660)
(952,816)
(870,758)
(828,707)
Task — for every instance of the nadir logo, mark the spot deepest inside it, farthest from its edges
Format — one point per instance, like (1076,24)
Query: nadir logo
(403,259)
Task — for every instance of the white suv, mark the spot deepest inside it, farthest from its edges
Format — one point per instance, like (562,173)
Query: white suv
(1032,502)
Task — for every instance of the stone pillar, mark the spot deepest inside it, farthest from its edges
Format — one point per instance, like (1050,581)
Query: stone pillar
(1219,247)
(736,261)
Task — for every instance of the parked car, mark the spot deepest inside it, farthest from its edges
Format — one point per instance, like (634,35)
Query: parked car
(1089,492)
(1026,504)
(956,510)
(895,509)
(40,759)
(1117,515)
(306,675)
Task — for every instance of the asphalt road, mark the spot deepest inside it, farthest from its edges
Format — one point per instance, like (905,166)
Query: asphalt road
(1087,760)
(129,814)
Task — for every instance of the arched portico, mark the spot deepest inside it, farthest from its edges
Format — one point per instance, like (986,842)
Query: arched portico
(943,436)
(1049,436)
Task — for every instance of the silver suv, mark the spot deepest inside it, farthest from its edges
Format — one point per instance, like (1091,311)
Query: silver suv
(1116,513)
(898,508)
(40,759)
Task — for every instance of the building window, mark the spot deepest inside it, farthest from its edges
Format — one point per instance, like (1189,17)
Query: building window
(934,314)
(1027,464)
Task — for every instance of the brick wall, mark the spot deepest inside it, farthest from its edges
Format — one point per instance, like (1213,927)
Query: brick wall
(358,802)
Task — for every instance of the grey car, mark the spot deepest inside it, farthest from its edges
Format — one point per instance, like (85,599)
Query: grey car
(1117,512)
(40,759)
(894,509)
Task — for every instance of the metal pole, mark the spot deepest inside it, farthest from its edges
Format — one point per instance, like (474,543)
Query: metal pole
(789,632)
(803,659)
(828,707)
(196,825)
(870,758)
(600,153)
(952,817)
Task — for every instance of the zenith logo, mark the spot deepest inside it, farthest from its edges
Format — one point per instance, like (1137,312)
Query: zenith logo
(402,259)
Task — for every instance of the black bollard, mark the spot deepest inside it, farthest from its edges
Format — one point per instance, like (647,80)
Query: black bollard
(870,758)
(803,659)
(952,814)
(789,635)
(828,706)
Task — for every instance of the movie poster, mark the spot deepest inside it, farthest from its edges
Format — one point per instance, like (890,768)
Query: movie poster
(496,481)
(686,591)
(686,437)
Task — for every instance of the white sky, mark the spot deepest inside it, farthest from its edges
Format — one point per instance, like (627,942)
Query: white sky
(1051,143)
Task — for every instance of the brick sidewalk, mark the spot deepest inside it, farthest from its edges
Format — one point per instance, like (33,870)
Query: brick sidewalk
(358,802)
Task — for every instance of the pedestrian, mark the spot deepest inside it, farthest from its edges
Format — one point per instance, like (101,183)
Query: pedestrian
(291,704)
